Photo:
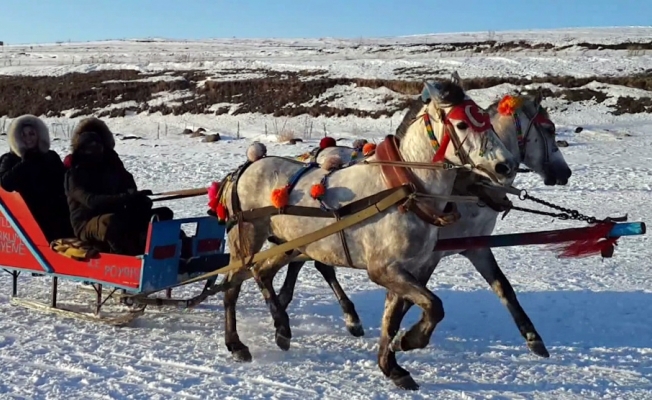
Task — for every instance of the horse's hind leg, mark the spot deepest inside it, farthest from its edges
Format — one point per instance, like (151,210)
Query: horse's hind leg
(351,318)
(485,263)
(231,339)
(242,244)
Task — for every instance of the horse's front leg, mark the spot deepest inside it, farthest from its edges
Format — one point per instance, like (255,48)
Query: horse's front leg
(286,294)
(264,274)
(392,317)
(485,263)
(397,280)
(351,318)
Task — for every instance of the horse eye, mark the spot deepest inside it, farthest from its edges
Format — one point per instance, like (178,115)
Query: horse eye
(462,126)
(550,128)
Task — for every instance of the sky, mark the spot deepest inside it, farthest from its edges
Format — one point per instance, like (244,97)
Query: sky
(47,21)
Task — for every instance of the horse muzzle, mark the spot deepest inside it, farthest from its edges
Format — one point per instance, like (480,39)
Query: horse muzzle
(556,175)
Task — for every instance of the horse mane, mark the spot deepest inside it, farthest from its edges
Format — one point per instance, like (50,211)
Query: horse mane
(452,94)
(414,107)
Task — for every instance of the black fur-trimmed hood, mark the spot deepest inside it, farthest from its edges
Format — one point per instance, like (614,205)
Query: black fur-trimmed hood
(96,125)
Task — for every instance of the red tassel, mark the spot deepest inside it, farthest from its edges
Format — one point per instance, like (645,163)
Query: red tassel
(594,242)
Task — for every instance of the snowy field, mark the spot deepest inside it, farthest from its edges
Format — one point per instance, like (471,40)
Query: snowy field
(594,315)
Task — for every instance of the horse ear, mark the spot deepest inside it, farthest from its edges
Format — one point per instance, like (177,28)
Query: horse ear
(538,97)
(425,95)
(456,79)
(433,91)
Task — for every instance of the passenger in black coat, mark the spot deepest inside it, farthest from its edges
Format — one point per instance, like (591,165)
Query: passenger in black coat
(37,174)
(106,207)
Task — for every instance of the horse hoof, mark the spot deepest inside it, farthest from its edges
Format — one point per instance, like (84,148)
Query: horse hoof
(537,347)
(356,329)
(242,355)
(283,342)
(406,383)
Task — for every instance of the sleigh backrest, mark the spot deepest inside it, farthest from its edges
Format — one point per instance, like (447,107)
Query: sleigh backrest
(20,234)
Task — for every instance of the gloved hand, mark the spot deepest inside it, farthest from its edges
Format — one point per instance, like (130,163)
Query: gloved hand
(139,201)
(135,192)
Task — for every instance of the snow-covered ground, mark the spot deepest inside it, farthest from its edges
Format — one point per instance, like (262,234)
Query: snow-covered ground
(594,315)
(359,58)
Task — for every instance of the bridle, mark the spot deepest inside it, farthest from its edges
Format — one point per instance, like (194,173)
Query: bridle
(521,136)
(450,135)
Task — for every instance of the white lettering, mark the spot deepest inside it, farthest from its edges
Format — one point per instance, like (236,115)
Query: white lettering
(115,271)
(10,243)
(5,224)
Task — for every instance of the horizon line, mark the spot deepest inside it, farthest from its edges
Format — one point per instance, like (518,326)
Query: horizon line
(163,39)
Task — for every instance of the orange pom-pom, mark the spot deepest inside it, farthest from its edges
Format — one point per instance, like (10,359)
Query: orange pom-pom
(317,190)
(508,105)
(220,210)
(280,197)
(368,148)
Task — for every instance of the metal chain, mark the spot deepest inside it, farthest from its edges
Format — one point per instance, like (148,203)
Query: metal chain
(565,214)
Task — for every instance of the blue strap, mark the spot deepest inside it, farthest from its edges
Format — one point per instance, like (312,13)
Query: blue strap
(292,182)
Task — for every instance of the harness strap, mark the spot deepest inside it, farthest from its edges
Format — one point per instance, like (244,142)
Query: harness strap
(235,200)
(390,198)
(294,179)
(345,245)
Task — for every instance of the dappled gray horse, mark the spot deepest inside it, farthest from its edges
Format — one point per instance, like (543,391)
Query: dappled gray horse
(524,126)
(451,127)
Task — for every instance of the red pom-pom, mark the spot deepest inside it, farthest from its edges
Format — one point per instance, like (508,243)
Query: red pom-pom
(67,161)
(213,190)
(220,210)
(317,190)
(280,197)
(368,148)
(327,142)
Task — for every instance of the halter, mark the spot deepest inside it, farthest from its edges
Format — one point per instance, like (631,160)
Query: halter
(465,112)
(521,137)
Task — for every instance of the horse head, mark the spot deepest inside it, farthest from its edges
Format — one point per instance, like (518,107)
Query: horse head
(525,123)
(459,131)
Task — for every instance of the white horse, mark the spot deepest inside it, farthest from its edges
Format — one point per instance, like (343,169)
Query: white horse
(525,128)
(387,245)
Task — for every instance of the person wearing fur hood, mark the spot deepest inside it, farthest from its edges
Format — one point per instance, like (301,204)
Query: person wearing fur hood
(37,174)
(106,208)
